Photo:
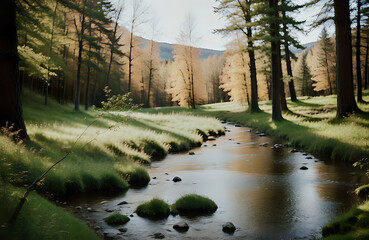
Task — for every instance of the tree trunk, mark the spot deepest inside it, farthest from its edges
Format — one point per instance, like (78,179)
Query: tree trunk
(87,97)
(345,88)
(130,60)
(276,61)
(79,63)
(11,113)
(358,53)
(366,61)
(282,94)
(111,54)
(291,84)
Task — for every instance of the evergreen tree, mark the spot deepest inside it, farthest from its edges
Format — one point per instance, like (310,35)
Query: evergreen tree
(306,77)
(326,62)
(239,14)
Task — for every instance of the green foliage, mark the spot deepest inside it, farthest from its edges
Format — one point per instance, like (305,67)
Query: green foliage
(119,102)
(193,204)
(362,191)
(156,209)
(351,225)
(39,218)
(116,219)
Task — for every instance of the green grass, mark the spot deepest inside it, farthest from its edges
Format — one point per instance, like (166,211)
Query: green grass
(310,125)
(109,157)
(116,219)
(39,219)
(193,204)
(154,209)
(352,225)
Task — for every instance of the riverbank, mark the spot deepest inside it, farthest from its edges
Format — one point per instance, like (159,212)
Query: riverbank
(310,126)
(108,154)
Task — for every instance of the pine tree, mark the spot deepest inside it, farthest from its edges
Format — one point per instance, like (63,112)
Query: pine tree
(239,14)
(326,62)
(306,76)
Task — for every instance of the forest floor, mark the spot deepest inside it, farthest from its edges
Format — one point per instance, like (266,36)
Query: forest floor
(109,152)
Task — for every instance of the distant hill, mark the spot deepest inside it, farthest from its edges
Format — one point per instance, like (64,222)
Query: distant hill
(307,46)
(166,50)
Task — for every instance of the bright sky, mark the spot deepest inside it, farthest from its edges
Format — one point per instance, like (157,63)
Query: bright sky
(171,15)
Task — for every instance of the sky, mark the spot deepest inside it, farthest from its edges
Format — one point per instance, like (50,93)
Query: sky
(170,17)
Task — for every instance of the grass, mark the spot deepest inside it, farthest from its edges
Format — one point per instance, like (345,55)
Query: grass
(309,125)
(154,209)
(109,157)
(193,204)
(117,219)
(352,225)
(39,219)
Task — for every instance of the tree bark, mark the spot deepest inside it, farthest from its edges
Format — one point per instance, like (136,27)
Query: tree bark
(79,63)
(87,95)
(276,61)
(291,84)
(346,103)
(358,53)
(11,113)
(366,61)
(130,60)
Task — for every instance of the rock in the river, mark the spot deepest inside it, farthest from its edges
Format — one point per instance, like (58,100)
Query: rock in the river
(277,145)
(237,125)
(122,203)
(262,135)
(205,145)
(293,151)
(154,178)
(131,215)
(308,158)
(264,144)
(238,143)
(158,235)
(90,209)
(97,227)
(191,153)
(79,208)
(108,210)
(177,179)
(103,202)
(228,227)
(181,226)
(122,229)
(304,168)
(305,154)
(214,145)
(211,138)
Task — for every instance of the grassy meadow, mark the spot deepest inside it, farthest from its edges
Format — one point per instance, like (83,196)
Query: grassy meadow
(109,151)
(309,125)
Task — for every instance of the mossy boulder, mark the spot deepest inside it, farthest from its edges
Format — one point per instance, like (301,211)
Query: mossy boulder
(154,209)
(116,219)
(193,204)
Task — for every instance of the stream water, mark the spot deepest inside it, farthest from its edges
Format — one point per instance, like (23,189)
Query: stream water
(260,189)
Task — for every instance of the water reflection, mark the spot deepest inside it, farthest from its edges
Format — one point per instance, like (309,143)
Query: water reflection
(260,189)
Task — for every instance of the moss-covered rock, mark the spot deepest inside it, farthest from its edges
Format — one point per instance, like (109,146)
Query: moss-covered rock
(116,219)
(155,209)
(193,204)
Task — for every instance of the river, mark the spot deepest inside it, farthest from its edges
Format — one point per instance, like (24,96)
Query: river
(261,190)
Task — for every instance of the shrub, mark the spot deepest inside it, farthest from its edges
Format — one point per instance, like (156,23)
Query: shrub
(155,209)
(193,204)
(116,219)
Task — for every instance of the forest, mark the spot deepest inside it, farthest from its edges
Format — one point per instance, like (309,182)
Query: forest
(106,133)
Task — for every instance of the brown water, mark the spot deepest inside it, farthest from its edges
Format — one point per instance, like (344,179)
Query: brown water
(260,189)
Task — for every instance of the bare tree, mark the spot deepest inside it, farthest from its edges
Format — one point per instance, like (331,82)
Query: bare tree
(138,11)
